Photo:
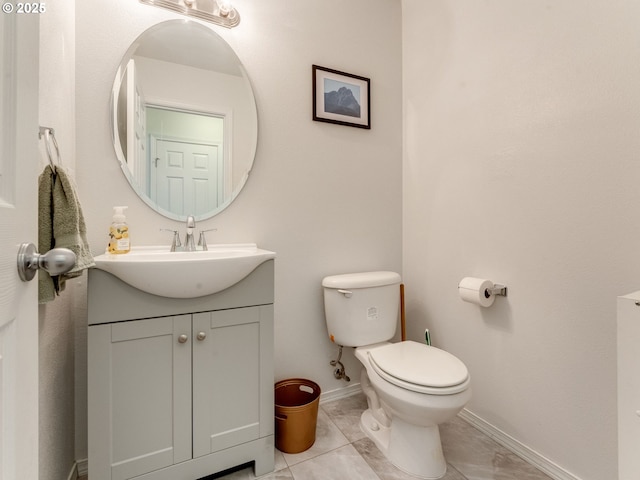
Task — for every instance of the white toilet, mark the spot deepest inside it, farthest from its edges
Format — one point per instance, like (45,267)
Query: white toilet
(411,387)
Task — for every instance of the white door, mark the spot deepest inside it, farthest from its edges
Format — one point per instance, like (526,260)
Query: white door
(187,178)
(19,38)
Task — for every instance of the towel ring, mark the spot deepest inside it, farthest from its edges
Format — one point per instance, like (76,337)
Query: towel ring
(49,135)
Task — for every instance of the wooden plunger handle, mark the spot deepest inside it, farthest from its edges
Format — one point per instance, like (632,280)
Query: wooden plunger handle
(403,332)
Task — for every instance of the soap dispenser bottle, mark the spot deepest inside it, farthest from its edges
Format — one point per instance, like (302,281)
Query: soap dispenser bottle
(119,233)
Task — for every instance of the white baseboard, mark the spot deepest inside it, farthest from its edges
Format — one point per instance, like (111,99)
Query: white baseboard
(73,475)
(527,454)
(338,393)
(83,467)
(78,469)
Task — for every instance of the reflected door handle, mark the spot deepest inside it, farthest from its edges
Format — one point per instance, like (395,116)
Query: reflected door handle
(55,262)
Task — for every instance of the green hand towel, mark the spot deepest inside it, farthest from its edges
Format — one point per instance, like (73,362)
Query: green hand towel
(61,224)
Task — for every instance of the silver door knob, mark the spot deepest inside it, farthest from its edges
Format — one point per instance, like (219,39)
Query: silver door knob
(183,338)
(201,336)
(56,261)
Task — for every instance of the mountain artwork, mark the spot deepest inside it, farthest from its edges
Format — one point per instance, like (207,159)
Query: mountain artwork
(342,102)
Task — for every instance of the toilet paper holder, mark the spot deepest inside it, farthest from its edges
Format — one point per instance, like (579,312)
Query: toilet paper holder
(496,290)
(480,291)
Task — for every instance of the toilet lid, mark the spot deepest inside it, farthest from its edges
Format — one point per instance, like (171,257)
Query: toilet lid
(410,364)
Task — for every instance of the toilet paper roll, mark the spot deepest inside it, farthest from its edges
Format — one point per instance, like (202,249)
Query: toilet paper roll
(477,291)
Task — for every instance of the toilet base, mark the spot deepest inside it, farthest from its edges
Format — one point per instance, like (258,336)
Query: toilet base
(414,450)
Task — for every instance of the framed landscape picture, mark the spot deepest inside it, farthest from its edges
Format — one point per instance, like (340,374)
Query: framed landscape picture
(341,98)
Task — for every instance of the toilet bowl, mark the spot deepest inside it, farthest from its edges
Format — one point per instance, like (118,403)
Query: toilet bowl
(411,387)
(403,417)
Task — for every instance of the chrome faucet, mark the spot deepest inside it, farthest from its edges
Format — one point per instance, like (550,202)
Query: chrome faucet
(189,243)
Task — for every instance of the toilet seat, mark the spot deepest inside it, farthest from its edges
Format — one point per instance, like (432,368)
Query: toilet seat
(420,368)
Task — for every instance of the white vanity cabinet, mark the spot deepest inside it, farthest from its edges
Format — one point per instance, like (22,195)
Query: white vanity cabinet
(180,388)
(629,386)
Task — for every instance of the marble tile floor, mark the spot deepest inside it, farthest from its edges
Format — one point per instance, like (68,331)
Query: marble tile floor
(343,452)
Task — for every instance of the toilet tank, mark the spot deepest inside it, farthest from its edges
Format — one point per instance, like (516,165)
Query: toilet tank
(361,308)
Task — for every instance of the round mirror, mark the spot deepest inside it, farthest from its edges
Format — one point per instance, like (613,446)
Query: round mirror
(185,124)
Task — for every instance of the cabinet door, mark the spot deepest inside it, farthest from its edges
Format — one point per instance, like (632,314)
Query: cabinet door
(226,379)
(140,378)
(629,387)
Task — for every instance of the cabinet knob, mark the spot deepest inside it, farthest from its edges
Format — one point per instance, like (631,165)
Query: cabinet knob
(183,338)
(201,336)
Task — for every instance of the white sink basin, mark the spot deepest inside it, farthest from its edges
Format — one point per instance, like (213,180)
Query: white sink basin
(158,271)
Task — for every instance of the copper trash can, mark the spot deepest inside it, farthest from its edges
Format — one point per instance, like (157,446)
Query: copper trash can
(296,402)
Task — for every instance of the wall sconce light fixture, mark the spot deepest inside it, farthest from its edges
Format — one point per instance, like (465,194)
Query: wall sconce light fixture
(220,12)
